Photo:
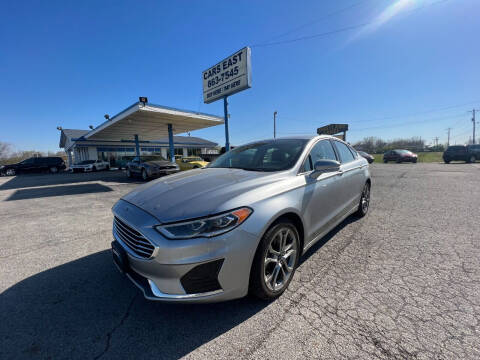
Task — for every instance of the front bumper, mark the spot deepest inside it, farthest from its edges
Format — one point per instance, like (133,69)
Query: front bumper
(176,270)
(160,171)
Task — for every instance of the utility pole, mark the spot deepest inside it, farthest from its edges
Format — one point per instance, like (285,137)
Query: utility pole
(435,141)
(448,141)
(275,124)
(473,122)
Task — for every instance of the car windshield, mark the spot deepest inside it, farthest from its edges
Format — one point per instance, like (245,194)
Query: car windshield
(194,159)
(403,151)
(272,155)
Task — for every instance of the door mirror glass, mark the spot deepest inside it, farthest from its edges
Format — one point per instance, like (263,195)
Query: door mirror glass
(325,166)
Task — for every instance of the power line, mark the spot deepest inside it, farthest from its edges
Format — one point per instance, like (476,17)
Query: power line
(336,31)
(327,16)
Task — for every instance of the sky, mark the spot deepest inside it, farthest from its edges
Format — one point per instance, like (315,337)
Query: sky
(389,69)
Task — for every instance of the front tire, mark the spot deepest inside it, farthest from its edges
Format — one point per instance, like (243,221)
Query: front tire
(364,201)
(471,159)
(53,170)
(129,173)
(275,261)
(10,172)
(144,175)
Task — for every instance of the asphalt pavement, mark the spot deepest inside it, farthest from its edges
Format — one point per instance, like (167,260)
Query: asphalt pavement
(401,283)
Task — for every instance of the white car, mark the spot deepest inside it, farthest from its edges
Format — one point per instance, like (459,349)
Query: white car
(90,165)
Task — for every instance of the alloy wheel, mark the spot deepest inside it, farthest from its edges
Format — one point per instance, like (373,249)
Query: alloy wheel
(365,202)
(10,172)
(280,259)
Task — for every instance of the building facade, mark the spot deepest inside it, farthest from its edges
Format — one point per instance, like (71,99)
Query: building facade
(78,149)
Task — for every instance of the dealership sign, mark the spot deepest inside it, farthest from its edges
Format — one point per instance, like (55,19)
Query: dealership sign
(332,129)
(227,77)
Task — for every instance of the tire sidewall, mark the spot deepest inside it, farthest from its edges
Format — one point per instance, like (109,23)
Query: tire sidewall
(144,175)
(258,267)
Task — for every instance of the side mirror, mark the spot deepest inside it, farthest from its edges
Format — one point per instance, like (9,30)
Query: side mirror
(325,166)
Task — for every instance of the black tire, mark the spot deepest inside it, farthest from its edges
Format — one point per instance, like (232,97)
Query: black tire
(144,175)
(195,167)
(385,161)
(94,168)
(129,173)
(53,170)
(471,159)
(398,161)
(258,286)
(108,167)
(415,161)
(446,161)
(362,210)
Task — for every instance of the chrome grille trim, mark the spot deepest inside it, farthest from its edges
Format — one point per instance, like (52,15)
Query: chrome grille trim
(135,241)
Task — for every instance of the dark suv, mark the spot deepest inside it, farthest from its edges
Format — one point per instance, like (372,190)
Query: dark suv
(469,153)
(35,164)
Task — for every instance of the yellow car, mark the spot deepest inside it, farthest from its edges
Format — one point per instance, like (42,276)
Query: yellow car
(191,162)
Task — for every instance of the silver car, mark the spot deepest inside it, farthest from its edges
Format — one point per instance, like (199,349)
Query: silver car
(241,224)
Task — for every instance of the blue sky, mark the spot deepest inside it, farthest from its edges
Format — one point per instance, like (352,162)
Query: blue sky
(413,71)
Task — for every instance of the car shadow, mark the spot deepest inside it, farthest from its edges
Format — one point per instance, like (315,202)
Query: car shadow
(318,245)
(48,191)
(32,180)
(87,309)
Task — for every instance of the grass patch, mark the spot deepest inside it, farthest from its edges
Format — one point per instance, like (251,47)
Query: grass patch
(425,157)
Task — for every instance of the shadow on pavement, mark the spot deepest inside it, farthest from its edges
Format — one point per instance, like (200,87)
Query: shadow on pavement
(87,309)
(49,191)
(32,180)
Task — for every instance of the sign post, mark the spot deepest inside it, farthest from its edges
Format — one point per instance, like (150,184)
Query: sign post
(226,78)
(333,129)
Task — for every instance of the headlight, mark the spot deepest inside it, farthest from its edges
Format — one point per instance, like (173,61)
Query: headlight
(206,227)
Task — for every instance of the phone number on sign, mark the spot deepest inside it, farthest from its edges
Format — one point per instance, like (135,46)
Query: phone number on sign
(223,77)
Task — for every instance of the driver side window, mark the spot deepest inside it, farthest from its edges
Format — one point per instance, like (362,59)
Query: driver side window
(322,150)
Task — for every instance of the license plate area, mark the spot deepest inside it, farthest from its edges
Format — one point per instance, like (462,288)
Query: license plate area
(120,258)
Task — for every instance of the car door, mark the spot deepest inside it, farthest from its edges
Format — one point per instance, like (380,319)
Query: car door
(320,202)
(26,165)
(352,178)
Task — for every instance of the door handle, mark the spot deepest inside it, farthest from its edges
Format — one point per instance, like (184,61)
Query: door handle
(339,173)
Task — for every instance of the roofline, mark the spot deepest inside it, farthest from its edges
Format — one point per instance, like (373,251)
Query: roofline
(137,104)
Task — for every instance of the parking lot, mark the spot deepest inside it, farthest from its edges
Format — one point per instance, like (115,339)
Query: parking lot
(404,282)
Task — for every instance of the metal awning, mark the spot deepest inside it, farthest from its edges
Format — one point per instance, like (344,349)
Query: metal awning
(150,122)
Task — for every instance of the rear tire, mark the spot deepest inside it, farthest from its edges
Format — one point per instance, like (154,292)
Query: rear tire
(275,261)
(94,168)
(144,175)
(471,159)
(108,167)
(399,161)
(385,161)
(129,173)
(10,172)
(53,170)
(364,201)
(447,161)
(415,161)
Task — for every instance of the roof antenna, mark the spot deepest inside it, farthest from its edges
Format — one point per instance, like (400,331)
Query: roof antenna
(106,116)
(91,127)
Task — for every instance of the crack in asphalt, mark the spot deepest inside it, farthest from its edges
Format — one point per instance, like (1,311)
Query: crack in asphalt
(116,327)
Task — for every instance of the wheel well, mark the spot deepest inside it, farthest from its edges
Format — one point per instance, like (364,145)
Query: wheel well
(369,182)
(295,219)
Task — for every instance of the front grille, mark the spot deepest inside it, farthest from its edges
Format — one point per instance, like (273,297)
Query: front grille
(133,239)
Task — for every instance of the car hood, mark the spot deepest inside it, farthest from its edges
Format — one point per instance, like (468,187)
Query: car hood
(158,163)
(196,193)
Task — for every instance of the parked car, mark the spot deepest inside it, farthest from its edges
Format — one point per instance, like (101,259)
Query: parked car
(469,153)
(369,157)
(34,164)
(90,165)
(150,166)
(241,224)
(400,156)
(122,163)
(191,162)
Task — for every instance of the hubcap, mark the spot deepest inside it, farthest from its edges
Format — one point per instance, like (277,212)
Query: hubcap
(365,198)
(280,259)
(144,174)
(10,172)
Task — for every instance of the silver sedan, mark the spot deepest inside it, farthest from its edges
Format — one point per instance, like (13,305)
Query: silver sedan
(241,224)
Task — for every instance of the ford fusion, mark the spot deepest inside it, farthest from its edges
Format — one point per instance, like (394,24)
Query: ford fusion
(240,225)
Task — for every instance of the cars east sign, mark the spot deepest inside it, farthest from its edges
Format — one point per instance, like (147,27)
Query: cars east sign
(228,77)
